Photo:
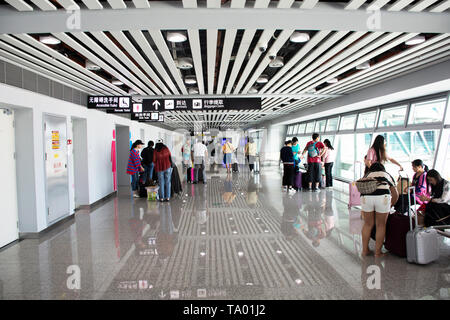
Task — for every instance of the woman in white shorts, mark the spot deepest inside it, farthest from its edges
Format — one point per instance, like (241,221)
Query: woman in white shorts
(375,207)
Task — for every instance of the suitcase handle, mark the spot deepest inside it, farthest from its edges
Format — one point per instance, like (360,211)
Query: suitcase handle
(409,207)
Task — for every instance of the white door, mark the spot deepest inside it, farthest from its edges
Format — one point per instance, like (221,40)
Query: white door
(8,188)
(57,181)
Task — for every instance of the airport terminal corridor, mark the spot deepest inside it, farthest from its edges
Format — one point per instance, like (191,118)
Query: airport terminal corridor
(240,236)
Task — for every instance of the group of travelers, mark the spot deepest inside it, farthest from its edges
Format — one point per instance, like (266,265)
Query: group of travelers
(320,158)
(142,164)
(432,193)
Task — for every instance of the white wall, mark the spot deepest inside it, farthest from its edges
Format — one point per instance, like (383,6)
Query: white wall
(99,137)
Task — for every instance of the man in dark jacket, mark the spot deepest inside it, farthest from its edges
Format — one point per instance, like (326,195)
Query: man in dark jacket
(287,156)
(147,162)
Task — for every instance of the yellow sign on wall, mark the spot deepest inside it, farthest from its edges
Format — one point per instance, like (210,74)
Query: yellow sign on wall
(55,140)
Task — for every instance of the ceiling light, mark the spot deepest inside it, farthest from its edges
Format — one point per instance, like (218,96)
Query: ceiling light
(92,66)
(263,79)
(299,37)
(253,90)
(332,80)
(362,66)
(415,40)
(193,90)
(49,40)
(117,82)
(176,37)
(185,63)
(277,62)
(190,80)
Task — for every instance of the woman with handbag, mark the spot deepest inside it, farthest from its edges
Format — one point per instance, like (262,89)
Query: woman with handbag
(378,194)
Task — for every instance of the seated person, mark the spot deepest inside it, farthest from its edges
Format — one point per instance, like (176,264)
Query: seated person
(437,210)
(419,180)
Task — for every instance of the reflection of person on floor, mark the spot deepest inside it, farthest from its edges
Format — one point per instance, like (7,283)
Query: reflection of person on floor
(314,210)
(252,195)
(167,235)
(137,225)
(289,218)
(228,196)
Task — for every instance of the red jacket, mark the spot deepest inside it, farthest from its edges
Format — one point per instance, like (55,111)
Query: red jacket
(161,159)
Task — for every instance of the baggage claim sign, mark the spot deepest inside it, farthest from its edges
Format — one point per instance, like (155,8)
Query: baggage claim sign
(149,110)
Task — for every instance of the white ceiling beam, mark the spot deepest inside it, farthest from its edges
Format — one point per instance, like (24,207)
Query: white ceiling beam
(308,4)
(284,4)
(261,4)
(422,5)
(141,4)
(151,55)
(117,4)
(281,40)
(44,5)
(211,49)
(95,59)
(20,5)
(213,3)
(35,64)
(167,56)
(138,77)
(129,47)
(194,42)
(237,4)
(441,7)
(69,4)
(166,16)
(227,49)
(190,4)
(354,4)
(399,5)
(93,4)
(378,4)
(264,39)
(65,63)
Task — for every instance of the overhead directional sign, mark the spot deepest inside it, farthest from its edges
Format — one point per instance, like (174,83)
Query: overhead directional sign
(113,103)
(202,104)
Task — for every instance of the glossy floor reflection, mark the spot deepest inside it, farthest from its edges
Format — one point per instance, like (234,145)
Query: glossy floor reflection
(238,237)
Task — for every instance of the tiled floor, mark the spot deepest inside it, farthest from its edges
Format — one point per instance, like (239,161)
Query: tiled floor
(238,237)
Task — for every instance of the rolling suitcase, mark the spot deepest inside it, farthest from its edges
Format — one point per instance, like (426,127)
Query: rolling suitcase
(298,180)
(235,167)
(256,164)
(305,182)
(354,195)
(190,175)
(421,243)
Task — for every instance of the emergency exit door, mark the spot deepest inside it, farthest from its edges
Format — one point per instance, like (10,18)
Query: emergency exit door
(57,181)
(8,188)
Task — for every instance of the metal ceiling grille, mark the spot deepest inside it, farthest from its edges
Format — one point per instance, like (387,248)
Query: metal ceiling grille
(230,61)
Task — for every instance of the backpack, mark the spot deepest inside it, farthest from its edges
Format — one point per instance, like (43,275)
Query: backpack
(312,150)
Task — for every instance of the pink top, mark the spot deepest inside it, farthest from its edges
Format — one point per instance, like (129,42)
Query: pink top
(372,155)
(329,156)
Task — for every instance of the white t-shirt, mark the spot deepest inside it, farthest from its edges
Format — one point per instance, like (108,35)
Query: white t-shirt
(200,149)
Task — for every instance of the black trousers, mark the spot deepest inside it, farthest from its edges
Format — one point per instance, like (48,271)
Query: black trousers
(314,172)
(288,175)
(437,214)
(328,174)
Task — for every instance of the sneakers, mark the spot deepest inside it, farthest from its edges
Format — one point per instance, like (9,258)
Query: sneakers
(135,195)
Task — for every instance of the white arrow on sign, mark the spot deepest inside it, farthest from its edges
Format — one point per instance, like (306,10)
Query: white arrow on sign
(156,104)
(162,294)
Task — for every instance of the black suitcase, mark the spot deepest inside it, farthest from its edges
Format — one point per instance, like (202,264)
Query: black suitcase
(305,180)
(200,175)
(189,173)
(235,167)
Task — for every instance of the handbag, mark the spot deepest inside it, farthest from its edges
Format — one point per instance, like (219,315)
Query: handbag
(366,185)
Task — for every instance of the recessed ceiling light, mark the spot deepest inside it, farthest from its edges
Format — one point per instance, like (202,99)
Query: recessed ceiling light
(49,40)
(362,66)
(185,63)
(332,80)
(278,62)
(190,80)
(264,78)
(176,37)
(92,66)
(253,90)
(117,82)
(193,90)
(415,40)
(299,37)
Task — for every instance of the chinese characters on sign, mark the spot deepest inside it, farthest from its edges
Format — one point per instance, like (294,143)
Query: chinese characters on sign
(202,104)
(55,140)
(112,103)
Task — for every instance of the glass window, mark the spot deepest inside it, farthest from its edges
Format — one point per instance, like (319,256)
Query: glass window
(348,122)
(392,116)
(366,120)
(310,127)
(332,124)
(320,125)
(329,137)
(294,131)
(425,112)
(290,128)
(301,128)
(351,148)
(446,169)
